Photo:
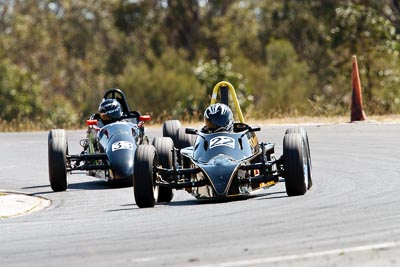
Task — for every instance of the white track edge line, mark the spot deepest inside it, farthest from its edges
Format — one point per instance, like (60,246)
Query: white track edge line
(305,255)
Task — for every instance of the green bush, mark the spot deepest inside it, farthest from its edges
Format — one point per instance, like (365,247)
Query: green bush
(166,88)
(19,94)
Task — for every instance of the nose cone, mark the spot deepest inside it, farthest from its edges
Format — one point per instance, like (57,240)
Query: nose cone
(122,163)
(220,172)
(121,156)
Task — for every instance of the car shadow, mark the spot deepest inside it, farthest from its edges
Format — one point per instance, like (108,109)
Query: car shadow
(271,195)
(87,185)
(191,202)
(37,187)
(99,185)
(172,204)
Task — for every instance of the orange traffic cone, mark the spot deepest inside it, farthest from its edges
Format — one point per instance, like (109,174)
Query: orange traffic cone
(357,113)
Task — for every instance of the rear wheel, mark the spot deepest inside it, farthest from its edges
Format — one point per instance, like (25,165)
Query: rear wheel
(170,129)
(295,164)
(304,135)
(164,147)
(144,187)
(57,153)
(184,140)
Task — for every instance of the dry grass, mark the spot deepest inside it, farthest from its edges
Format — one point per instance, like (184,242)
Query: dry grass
(335,119)
(307,120)
(394,118)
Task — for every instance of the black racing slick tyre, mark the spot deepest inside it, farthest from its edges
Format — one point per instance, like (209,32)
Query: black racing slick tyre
(165,149)
(57,153)
(295,161)
(170,129)
(144,188)
(303,132)
(184,139)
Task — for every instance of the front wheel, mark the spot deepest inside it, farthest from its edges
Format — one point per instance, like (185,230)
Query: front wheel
(144,187)
(57,153)
(296,164)
(165,149)
(304,135)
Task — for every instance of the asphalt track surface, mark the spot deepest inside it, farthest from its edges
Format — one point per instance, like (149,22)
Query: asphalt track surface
(351,217)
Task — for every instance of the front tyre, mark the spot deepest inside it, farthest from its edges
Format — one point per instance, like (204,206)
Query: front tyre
(296,163)
(304,135)
(57,153)
(144,187)
(164,147)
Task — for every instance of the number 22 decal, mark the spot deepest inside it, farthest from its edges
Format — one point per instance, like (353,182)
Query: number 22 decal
(222,141)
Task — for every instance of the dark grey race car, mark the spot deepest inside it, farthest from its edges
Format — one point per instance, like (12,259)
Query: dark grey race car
(108,150)
(219,165)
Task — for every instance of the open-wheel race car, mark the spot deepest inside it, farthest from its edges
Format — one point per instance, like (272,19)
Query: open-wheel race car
(219,165)
(108,149)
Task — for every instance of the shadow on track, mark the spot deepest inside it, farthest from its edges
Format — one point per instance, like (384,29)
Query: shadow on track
(193,202)
(99,185)
(88,185)
(133,206)
(273,195)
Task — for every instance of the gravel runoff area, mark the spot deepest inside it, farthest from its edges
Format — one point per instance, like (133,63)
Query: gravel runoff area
(14,204)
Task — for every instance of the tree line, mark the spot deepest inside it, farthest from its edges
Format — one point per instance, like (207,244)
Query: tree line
(285,58)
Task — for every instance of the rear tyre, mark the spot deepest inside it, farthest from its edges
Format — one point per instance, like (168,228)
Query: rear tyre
(144,187)
(184,140)
(170,129)
(164,147)
(57,153)
(295,162)
(304,135)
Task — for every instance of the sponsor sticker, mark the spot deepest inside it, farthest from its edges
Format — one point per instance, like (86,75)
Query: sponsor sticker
(122,145)
(222,141)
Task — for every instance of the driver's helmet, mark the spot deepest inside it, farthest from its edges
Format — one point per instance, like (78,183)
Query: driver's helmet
(110,110)
(218,117)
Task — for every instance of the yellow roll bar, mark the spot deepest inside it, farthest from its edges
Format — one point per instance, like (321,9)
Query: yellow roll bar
(233,95)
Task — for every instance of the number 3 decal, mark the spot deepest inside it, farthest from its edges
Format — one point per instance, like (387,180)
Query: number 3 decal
(122,145)
(222,141)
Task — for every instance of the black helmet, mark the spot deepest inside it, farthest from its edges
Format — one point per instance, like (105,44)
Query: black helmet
(110,110)
(218,116)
